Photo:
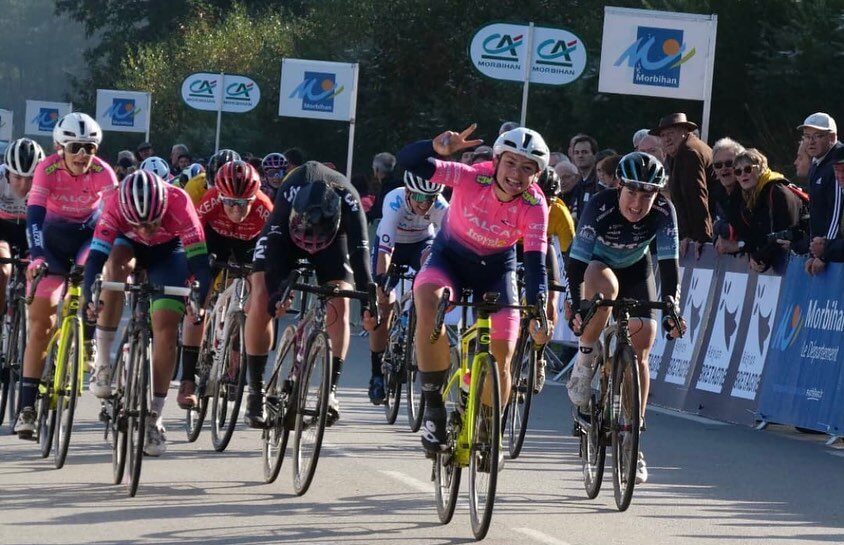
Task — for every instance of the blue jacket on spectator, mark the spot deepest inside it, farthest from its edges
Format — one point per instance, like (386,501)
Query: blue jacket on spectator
(825,196)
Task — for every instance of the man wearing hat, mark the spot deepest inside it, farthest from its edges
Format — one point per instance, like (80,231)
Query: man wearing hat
(689,167)
(144,150)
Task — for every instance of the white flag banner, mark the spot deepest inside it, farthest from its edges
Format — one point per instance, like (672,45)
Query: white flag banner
(657,53)
(123,111)
(6,125)
(42,116)
(317,89)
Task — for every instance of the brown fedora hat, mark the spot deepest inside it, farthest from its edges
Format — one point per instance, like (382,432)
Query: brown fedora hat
(673,120)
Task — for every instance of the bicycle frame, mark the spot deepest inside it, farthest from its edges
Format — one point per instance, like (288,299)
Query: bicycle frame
(69,313)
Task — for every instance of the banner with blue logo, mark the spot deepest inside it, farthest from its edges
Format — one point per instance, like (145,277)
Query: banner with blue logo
(803,384)
(656,53)
(318,89)
(6,124)
(42,116)
(124,111)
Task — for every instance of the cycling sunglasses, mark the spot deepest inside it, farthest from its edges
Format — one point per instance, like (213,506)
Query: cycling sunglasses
(233,201)
(422,198)
(719,165)
(75,147)
(639,186)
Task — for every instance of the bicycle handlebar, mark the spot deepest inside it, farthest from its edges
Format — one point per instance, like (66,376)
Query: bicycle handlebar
(329,292)
(192,292)
(627,304)
(40,273)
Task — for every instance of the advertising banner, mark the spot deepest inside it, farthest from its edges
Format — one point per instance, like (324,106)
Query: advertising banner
(317,89)
(656,53)
(42,116)
(124,111)
(499,51)
(204,91)
(803,379)
(6,124)
(758,337)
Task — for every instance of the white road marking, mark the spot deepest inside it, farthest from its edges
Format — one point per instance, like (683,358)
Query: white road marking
(540,536)
(415,484)
(839,453)
(684,416)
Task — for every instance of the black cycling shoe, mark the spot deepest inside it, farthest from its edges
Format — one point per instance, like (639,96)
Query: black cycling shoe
(254,415)
(433,431)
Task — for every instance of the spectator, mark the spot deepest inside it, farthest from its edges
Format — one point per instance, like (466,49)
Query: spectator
(125,165)
(144,150)
(466,156)
(803,162)
(570,187)
(481,155)
(820,138)
(638,136)
(555,157)
(768,207)
(570,150)
(383,167)
(367,198)
(175,152)
(725,196)
(832,250)
(652,145)
(184,161)
(689,168)
(507,126)
(584,149)
(605,169)
(295,157)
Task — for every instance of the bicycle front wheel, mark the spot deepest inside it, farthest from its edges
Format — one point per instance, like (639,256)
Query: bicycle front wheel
(46,414)
(625,419)
(517,412)
(593,448)
(195,416)
(415,401)
(486,445)
(394,365)
(116,407)
(447,469)
(228,388)
(68,393)
(279,389)
(137,409)
(311,410)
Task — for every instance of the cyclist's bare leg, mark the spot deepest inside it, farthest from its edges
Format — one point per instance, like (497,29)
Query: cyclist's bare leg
(5,272)
(165,330)
(431,357)
(502,350)
(643,335)
(117,269)
(337,321)
(259,324)
(42,320)
(599,278)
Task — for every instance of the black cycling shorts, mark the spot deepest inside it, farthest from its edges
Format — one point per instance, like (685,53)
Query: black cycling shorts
(226,247)
(15,234)
(330,264)
(637,282)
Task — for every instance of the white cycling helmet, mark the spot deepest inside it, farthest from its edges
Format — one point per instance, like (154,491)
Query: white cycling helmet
(22,156)
(418,184)
(156,165)
(525,142)
(77,127)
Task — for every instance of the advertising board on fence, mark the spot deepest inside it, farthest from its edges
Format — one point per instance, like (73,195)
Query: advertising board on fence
(6,124)
(317,89)
(42,116)
(124,111)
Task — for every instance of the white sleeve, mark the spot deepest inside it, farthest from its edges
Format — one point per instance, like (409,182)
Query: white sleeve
(387,227)
(438,213)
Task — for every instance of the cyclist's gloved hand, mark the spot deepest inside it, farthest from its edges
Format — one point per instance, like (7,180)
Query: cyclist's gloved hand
(668,323)
(34,266)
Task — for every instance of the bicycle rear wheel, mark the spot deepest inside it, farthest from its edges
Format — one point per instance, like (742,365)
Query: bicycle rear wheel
(415,401)
(447,470)
(311,411)
(486,445)
(195,416)
(46,416)
(68,393)
(625,421)
(116,407)
(137,409)
(274,437)
(228,388)
(517,412)
(394,367)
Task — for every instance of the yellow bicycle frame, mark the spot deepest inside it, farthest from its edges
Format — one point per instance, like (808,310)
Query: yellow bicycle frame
(70,313)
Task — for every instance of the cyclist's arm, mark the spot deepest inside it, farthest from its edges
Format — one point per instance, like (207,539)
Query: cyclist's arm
(354,219)
(536,246)
(106,232)
(414,157)
(386,235)
(667,252)
(192,236)
(438,211)
(36,211)
(581,252)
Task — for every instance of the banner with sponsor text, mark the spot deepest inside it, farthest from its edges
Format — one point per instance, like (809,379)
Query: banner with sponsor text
(123,111)
(6,124)
(42,116)
(318,89)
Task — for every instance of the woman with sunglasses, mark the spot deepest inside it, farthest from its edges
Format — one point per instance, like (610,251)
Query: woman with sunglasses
(154,225)
(233,213)
(411,217)
(62,210)
(768,207)
(610,255)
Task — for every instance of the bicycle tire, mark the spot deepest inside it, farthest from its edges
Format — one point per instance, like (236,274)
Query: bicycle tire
(5,373)
(141,354)
(195,417)
(68,394)
(447,471)
(224,411)
(117,417)
(415,401)
(593,449)
(311,410)
(517,412)
(10,371)
(625,424)
(392,374)
(484,455)
(46,416)
(274,438)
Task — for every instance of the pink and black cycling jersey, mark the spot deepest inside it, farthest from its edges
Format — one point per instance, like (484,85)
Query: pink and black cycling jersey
(58,197)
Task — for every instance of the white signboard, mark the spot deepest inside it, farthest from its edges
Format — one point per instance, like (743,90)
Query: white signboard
(6,118)
(499,50)
(656,53)
(124,111)
(42,116)
(694,307)
(722,339)
(204,91)
(318,89)
(758,337)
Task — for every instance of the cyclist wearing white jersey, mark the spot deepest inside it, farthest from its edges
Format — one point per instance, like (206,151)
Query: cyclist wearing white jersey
(411,216)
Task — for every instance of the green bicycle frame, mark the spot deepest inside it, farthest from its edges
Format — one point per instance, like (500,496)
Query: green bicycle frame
(69,314)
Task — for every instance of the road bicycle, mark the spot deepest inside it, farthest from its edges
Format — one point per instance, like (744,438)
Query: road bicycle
(62,379)
(125,412)
(300,384)
(14,338)
(614,415)
(473,402)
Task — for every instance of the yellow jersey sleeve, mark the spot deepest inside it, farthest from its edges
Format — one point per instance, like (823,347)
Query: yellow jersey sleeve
(560,223)
(195,188)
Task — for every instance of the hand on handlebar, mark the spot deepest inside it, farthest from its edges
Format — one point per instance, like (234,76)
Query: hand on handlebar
(282,306)
(35,268)
(92,312)
(540,336)
(370,322)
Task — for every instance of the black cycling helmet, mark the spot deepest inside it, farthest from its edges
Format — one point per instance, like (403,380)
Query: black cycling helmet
(549,183)
(315,216)
(641,172)
(217,160)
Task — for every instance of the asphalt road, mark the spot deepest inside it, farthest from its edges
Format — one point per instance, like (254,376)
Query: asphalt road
(710,483)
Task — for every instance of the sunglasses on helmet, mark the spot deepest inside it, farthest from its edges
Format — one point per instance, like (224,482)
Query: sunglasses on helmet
(75,147)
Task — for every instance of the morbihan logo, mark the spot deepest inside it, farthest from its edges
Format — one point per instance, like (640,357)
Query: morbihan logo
(318,91)
(122,112)
(46,118)
(656,56)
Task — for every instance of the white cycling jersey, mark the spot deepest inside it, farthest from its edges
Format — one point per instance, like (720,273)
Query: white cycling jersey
(12,207)
(400,225)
